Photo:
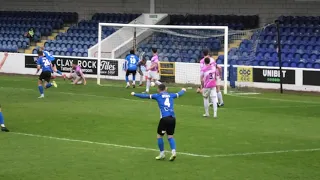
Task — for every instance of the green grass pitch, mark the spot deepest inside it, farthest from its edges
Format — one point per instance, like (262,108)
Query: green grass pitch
(101,132)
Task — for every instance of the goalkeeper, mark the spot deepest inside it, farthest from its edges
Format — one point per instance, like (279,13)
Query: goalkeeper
(77,75)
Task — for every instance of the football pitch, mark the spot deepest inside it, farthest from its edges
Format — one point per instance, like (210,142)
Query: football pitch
(101,132)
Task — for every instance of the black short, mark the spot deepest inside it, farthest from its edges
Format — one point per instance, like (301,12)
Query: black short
(54,63)
(140,71)
(166,125)
(45,75)
(131,72)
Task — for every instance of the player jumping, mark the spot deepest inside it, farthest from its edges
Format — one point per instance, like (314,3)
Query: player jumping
(209,91)
(167,122)
(45,76)
(77,75)
(153,71)
(3,127)
(53,62)
(131,68)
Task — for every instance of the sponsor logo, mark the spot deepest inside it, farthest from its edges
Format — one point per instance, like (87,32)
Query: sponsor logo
(244,74)
(273,75)
(88,66)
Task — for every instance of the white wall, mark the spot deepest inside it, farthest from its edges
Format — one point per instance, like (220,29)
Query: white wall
(267,9)
(184,72)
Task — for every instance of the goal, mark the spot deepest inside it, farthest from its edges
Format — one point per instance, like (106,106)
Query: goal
(179,49)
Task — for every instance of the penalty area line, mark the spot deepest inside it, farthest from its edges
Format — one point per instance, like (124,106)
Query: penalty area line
(104,144)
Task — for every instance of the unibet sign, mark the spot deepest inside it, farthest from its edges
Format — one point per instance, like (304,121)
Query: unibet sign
(273,75)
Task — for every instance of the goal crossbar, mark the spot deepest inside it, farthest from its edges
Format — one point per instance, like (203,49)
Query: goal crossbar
(225,28)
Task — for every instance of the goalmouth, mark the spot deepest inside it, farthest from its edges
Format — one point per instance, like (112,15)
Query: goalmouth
(200,34)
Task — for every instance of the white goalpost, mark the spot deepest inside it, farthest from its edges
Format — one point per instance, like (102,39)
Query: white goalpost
(177,39)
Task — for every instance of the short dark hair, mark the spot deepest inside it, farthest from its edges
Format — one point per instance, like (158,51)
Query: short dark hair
(162,87)
(207,60)
(205,52)
(40,53)
(132,51)
(154,50)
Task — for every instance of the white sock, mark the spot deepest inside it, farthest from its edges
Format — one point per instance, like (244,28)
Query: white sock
(148,85)
(141,80)
(220,97)
(158,82)
(134,82)
(161,153)
(206,105)
(173,151)
(2,125)
(215,106)
(128,84)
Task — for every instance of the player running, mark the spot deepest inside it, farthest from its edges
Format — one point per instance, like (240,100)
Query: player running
(53,61)
(45,65)
(167,122)
(132,61)
(3,127)
(77,75)
(153,71)
(209,91)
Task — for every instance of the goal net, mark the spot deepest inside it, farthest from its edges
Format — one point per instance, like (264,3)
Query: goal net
(179,49)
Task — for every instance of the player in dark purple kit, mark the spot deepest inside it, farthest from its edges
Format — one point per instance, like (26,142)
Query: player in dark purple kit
(167,122)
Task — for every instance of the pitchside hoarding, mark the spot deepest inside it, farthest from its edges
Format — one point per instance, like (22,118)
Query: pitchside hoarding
(311,78)
(273,75)
(88,66)
(244,74)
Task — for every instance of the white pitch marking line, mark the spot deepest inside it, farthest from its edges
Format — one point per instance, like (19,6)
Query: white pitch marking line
(93,95)
(109,97)
(267,152)
(242,95)
(183,153)
(273,99)
(103,144)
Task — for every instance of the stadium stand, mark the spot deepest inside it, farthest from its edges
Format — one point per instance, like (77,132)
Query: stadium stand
(13,25)
(80,37)
(300,42)
(180,49)
(300,37)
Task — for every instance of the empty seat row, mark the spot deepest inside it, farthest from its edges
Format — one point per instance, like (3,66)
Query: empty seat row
(63,53)
(72,43)
(248,22)
(67,17)
(68,45)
